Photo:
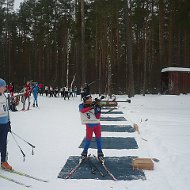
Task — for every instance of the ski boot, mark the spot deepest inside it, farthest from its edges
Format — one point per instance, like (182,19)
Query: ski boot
(83,156)
(6,166)
(33,105)
(101,156)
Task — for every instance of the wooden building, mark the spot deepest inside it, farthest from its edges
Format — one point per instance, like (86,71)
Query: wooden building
(175,80)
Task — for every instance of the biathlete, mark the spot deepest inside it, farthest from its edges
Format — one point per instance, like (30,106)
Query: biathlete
(27,92)
(35,89)
(5,126)
(90,116)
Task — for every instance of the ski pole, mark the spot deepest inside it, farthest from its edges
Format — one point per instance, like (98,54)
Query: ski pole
(25,142)
(19,147)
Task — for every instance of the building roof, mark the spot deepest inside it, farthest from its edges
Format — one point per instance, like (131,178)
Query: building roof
(180,69)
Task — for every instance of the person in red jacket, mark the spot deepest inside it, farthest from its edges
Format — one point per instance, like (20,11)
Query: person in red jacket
(27,92)
(10,88)
(40,85)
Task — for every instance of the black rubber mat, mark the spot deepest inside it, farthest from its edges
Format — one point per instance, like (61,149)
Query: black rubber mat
(118,128)
(114,143)
(120,167)
(112,119)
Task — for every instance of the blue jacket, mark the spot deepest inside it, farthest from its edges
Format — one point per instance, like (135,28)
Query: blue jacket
(35,90)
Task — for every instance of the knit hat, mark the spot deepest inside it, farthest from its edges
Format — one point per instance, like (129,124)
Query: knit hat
(2,83)
(86,97)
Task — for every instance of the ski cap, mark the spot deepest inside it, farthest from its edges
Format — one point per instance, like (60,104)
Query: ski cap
(86,97)
(2,83)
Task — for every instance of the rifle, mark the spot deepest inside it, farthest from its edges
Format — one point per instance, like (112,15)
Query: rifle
(104,103)
(110,103)
(18,95)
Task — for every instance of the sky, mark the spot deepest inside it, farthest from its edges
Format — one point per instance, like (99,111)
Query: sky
(17,4)
(56,131)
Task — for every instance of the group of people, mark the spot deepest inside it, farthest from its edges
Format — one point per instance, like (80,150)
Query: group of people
(90,116)
(28,89)
(36,88)
(65,92)
(5,124)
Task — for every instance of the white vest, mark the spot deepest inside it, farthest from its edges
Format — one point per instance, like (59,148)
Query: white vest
(89,117)
(3,106)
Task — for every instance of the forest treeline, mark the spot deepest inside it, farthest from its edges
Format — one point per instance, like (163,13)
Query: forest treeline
(122,45)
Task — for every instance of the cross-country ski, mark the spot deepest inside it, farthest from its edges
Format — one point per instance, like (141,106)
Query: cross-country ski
(95,169)
(106,168)
(25,175)
(14,181)
(77,166)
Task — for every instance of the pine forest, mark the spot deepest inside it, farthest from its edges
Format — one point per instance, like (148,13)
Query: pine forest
(118,45)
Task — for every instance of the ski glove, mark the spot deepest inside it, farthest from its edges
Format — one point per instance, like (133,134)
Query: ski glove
(98,109)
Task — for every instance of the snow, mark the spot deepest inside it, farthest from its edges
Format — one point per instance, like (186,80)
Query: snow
(181,69)
(56,131)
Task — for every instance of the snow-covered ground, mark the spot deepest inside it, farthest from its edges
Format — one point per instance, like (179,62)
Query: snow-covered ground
(55,129)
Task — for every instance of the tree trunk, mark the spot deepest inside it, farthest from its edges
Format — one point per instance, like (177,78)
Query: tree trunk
(145,60)
(83,63)
(129,52)
(68,58)
(161,33)
(171,32)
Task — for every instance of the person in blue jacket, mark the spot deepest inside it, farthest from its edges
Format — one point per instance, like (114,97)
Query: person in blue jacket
(35,94)
(90,116)
(5,125)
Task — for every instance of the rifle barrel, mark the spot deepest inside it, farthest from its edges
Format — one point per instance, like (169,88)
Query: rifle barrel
(129,101)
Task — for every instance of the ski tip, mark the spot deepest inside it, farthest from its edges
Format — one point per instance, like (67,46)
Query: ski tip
(46,181)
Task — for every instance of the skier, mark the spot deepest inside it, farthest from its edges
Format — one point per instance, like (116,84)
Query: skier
(14,101)
(10,88)
(62,91)
(27,92)
(5,126)
(66,94)
(82,92)
(75,91)
(90,115)
(35,94)
(50,91)
(70,92)
(40,89)
(46,90)
(86,89)
(56,92)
